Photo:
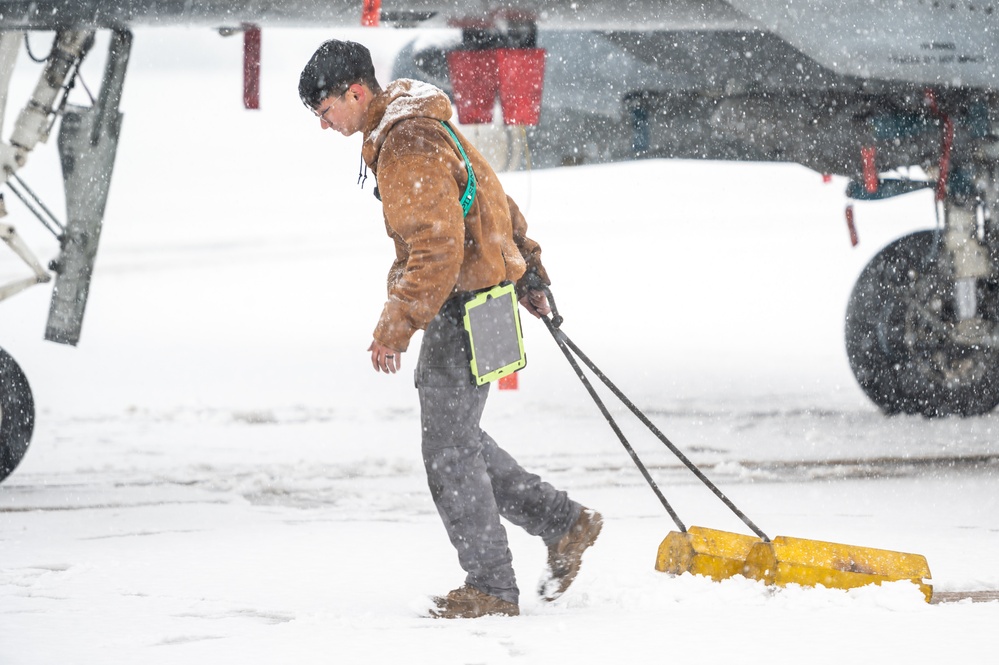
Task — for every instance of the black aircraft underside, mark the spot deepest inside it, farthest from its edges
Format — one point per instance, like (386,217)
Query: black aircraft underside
(857,88)
(97,14)
(565,14)
(718,95)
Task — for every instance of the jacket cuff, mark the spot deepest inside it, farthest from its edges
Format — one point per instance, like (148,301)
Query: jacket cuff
(393,329)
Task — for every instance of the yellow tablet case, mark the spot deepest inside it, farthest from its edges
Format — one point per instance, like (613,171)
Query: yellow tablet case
(495,340)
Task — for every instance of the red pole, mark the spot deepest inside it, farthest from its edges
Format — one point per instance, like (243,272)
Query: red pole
(870,170)
(371,13)
(251,66)
(851,226)
(508,382)
(948,143)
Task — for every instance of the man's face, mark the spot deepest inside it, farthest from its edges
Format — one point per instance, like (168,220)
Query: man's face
(343,112)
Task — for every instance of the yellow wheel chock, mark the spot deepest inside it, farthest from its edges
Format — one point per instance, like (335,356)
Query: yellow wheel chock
(720,554)
(700,551)
(833,565)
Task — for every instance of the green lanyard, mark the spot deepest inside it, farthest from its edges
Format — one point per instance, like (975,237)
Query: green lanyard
(469,196)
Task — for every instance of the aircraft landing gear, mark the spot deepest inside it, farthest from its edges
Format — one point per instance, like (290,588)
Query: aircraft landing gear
(922,326)
(17,414)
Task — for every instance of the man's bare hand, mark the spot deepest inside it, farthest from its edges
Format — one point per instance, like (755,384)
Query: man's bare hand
(536,302)
(384,359)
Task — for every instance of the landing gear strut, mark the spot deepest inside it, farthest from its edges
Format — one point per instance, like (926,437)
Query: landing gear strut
(922,326)
(88,141)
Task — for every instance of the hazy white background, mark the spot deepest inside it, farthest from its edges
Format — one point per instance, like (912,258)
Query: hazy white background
(217,475)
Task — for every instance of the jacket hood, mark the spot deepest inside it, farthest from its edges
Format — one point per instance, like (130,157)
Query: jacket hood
(401,99)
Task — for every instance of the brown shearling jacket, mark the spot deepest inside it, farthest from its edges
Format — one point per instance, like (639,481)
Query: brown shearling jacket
(421,176)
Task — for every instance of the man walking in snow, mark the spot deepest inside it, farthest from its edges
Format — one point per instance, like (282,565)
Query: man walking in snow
(442,254)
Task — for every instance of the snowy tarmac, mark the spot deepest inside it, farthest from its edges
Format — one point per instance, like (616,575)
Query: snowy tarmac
(217,475)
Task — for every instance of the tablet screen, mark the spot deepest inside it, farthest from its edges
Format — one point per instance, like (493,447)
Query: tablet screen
(493,326)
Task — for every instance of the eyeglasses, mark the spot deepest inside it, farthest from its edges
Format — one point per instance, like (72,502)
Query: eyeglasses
(322,116)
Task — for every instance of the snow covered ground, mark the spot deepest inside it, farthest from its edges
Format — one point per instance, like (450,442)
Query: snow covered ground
(217,475)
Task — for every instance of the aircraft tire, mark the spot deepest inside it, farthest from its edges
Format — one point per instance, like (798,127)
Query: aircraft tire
(17,414)
(901,355)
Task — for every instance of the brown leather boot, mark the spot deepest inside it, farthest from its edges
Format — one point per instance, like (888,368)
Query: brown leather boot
(565,556)
(467,602)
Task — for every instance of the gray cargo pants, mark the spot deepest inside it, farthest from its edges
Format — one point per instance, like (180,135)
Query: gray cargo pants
(473,481)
